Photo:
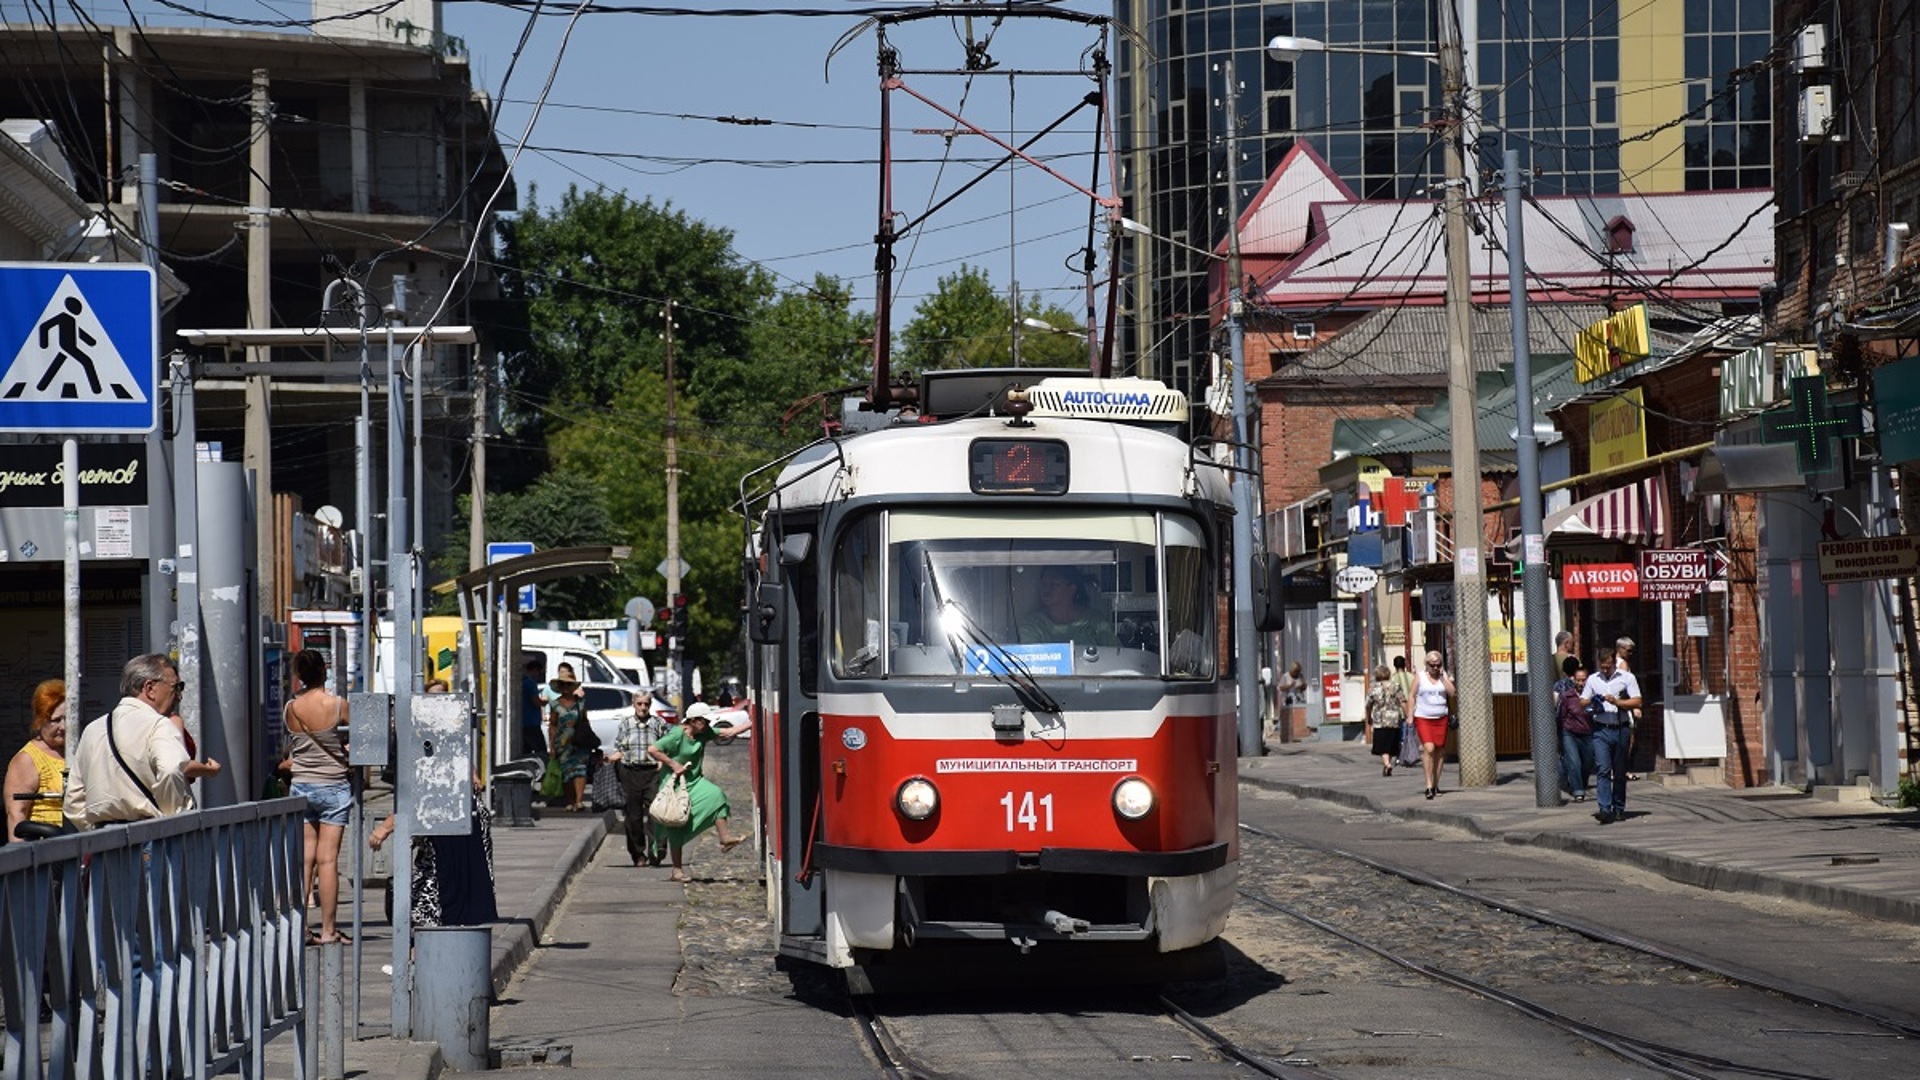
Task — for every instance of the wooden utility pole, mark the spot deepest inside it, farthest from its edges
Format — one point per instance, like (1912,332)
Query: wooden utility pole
(675,645)
(258,436)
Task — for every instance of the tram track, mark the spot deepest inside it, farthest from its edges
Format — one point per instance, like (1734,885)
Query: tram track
(897,1061)
(1666,1059)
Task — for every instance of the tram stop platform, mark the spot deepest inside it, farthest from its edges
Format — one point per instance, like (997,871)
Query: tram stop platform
(1858,857)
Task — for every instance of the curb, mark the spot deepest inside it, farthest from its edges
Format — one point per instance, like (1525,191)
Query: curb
(1676,869)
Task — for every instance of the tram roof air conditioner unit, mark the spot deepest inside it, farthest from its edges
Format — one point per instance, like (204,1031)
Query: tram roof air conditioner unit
(1109,399)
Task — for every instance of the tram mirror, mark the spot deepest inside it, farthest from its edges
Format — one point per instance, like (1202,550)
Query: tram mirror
(795,548)
(1269,610)
(763,619)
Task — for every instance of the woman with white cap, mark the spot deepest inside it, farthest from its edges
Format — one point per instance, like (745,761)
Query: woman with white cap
(682,751)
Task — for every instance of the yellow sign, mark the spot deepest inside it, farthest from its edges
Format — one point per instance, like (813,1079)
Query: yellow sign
(1612,343)
(1617,431)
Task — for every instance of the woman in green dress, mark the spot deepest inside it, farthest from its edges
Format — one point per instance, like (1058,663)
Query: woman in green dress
(682,751)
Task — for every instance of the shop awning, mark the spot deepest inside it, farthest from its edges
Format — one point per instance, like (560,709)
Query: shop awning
(1761,467)
(1634,514)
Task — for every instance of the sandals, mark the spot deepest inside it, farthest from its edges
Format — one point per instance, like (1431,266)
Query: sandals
(729,845)
(341,936)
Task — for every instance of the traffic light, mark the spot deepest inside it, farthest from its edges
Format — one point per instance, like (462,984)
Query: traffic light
(680,614)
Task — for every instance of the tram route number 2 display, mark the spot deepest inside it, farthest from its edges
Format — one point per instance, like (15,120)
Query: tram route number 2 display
(1035,814)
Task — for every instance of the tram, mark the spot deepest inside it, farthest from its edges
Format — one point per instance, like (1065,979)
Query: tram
(988,661)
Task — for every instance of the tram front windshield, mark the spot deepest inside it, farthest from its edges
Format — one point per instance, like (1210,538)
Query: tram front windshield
(1095,593)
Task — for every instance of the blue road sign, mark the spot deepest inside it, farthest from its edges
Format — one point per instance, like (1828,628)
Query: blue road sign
(79,348)
(500,551)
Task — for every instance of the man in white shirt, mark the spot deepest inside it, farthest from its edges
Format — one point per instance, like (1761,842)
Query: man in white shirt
(1614,693)
(133,764)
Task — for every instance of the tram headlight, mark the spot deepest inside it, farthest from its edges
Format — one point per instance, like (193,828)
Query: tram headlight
(917,799)
(1132,798)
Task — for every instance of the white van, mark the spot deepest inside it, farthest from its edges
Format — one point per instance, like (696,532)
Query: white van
(633,668)
(590,664)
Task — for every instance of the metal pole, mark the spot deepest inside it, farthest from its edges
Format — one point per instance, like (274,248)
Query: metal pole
(1246,664)
(400,585)
(186,529)
(70,569)
(477,499)
(1470,667)
(161,583)
(1542,724)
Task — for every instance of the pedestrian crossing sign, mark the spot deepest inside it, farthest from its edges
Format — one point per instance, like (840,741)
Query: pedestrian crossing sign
(79,348)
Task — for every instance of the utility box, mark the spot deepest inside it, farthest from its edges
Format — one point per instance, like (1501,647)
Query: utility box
(436,766)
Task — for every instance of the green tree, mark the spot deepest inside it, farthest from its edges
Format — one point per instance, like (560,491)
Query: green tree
(967,323)
(560,509)
(595,273)
(806,344)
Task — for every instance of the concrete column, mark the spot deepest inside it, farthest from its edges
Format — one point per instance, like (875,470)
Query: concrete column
(357,136)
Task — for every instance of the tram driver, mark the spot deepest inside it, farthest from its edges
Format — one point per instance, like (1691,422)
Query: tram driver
(1066,611)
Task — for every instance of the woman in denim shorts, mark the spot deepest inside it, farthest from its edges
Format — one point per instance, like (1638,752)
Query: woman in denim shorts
(317,754)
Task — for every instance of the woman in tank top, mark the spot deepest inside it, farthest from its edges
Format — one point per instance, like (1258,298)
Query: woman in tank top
(317,752)
(1431,690)
(41,766)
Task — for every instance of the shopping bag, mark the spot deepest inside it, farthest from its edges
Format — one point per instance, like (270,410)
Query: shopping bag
(552,783)
(606,792)
(1409,744)
(671,807)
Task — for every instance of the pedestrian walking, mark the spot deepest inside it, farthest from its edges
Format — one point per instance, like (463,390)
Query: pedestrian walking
(1386,712)
(682,751)
(1433,694)
(565,720)
(1576,729)
(453,881)
(1617,693)
(133,763)
(639,775)
(1623,659)
(315,723)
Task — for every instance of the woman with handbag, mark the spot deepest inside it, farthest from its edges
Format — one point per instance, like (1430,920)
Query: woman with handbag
(682,751)
(317,761)
(1433,693)
(572,739)
(1386,711)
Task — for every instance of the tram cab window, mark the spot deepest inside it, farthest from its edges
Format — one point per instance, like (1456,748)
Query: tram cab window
(1095,593)
(856,622)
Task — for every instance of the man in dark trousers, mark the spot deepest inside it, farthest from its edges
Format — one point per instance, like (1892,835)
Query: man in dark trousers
(639,774)
(533,736)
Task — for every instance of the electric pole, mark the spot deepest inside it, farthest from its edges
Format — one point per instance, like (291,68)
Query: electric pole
(675,646)
(1471,671)
(477,504)
(259,439)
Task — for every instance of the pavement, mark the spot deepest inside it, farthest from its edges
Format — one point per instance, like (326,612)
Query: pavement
(1781,842)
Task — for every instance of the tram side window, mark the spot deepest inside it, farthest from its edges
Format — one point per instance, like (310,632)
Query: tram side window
(1191,649)
(858,607)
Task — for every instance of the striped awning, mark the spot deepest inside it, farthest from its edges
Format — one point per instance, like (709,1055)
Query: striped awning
(1634,514)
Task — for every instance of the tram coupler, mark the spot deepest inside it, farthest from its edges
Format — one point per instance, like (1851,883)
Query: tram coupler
(1061,923)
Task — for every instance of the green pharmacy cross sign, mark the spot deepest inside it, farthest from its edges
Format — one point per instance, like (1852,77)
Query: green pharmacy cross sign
(1813,425)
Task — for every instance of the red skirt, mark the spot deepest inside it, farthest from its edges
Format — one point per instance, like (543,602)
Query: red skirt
(1432,729)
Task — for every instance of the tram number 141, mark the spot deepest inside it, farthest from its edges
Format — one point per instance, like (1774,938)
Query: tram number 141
(1035,814)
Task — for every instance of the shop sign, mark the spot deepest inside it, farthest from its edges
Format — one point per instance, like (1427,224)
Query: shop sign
(1746,381)
(1600,581)
(1674,574)
(1436,602)
(1617,431)
(1896,406)
(31,474)
(1356,579)
(1617,341)
(1869,558)
(1330,689)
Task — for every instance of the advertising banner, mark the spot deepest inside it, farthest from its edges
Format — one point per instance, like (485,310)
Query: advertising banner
(1869,558)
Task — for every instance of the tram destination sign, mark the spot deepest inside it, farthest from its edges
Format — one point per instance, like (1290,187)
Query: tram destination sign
(1869,558)
(1674,574)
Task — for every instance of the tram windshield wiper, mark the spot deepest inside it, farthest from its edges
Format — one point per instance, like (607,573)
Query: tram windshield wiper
(1003,666)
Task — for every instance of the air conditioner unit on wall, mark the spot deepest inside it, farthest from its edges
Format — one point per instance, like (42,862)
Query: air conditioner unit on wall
(1816,113)
(1810,48)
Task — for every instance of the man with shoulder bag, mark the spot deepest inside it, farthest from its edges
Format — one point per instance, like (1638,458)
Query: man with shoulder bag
(133,764)
(1612,693)
(639,775)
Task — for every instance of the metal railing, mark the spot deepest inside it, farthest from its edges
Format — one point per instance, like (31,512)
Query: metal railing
(167,949)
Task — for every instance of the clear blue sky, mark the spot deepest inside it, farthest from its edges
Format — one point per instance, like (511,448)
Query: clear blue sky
(625,82)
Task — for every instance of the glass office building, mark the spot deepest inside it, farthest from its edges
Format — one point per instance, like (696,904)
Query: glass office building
(1598,96)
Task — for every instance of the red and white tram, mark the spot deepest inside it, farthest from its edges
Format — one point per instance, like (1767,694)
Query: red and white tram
(989,670)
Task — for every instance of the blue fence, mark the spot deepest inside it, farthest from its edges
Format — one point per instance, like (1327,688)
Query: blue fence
(167,949)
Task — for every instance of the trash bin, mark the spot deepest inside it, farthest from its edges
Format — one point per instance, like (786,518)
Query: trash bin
(452,991)
(513,793)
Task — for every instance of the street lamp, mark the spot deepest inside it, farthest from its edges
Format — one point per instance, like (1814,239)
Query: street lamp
(1046,327)
(1472,670)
